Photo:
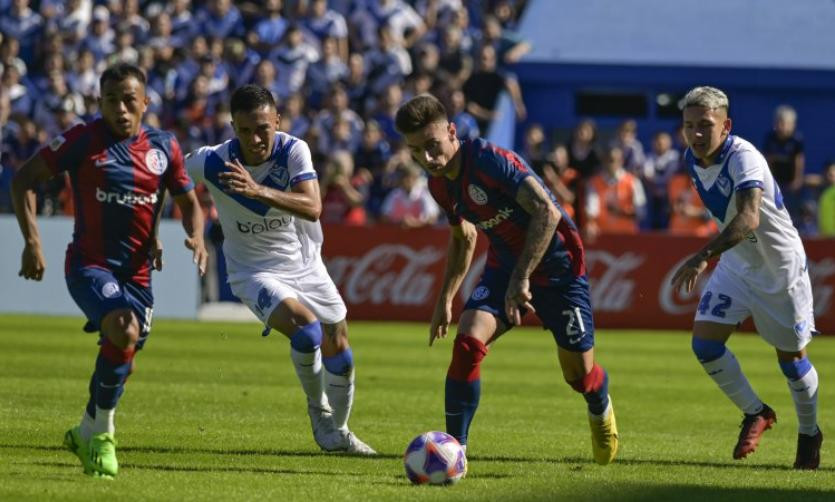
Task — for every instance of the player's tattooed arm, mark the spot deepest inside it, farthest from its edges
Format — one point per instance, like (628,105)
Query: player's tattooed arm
(747,219)
(544,219)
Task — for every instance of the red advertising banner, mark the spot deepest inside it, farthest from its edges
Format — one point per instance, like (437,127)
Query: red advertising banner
(388,273)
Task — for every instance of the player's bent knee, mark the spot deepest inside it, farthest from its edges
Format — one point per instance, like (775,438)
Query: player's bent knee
(467,354)
(307,338)
(339,364)
(707,350)
(116,354)
(795,370)
(121,327)
(590,382)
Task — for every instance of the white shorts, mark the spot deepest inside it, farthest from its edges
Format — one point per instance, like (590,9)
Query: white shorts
(785,319)
(262,292)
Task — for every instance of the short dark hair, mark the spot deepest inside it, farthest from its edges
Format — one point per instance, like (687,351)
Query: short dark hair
(122,71)
(251,97)
(418,112)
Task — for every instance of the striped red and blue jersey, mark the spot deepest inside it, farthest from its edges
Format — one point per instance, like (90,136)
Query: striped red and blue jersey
(484,193)
(117,186)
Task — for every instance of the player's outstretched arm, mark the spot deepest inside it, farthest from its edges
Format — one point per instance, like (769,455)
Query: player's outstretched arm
(747,220)
(193,225)
(304,201)
(460,251)
(544,219)
(33,172)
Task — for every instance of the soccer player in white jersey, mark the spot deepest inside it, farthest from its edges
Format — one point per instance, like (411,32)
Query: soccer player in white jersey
(762,273)
(267,197)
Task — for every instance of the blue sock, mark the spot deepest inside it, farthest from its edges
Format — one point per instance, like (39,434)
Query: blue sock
(340,364)
(113,366)
(598,400)
(461,403)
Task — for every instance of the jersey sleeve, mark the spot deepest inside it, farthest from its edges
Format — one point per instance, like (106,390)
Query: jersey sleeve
(176,178)
(300,163)
(65,152)
(504,170)
(747,169)
(196,162)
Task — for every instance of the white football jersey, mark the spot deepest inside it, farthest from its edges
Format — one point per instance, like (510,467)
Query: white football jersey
(771,258)
(258,237)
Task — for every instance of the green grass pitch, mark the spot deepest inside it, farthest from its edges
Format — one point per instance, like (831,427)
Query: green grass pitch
(214,412)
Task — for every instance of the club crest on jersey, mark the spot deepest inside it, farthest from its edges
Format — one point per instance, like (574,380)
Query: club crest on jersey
(280,176)
(724,185)
(156,161)
(480,292)
(477,194)
(109,290)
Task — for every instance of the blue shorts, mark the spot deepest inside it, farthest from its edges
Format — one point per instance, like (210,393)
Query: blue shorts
(97,292)
(565,310)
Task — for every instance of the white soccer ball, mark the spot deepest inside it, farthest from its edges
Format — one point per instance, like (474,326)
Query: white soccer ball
(435,458)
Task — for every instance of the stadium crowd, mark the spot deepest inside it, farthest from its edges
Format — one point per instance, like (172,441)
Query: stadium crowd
(339,69)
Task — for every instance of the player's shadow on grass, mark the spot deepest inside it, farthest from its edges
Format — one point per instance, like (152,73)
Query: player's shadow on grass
(189,468)
(689,463)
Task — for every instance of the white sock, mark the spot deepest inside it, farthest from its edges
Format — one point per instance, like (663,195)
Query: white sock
(309,370)
(727,374)
(104,421)
(805,394)
(340,390)
(86,426)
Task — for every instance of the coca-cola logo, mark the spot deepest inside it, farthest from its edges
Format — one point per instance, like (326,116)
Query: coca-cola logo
(677,302)
(611,288)
(388,273)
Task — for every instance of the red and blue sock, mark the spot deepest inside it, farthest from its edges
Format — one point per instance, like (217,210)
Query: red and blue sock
(595,389)
(463,385)
(113,366)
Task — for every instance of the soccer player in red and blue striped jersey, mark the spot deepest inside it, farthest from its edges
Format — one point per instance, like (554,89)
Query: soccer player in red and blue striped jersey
(119,170)
(535,262)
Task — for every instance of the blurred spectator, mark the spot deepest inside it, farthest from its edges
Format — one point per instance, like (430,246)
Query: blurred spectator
(183,25)
(265,76)
(509,46)
(125,50)
(826,204)
(356,84)
(84,77)
(388,63)
(372,156)
(484,86)
(626,139)
(615,199)
(534,148)
(20,96)
(410,204)
(784,151)
(582,152)
(24,25)
(10,55)
(337,111)
(292,58)
(293,119)
(343,192)
(400,18)
(129,18)
(101,40)
(270,29)
(688,215)
(454,65)
(660,166)
(562,180)
(162,32)
(387,109)
(466,126)
(329,69)
(240,62)
(221,19)
(326,23)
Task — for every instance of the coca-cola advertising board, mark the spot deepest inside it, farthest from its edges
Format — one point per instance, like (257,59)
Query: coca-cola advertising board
(388,273)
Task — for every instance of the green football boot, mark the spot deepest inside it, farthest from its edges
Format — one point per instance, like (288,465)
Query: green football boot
(79,447)
(103,456)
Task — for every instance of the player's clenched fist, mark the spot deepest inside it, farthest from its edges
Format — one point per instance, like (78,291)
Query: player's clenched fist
(32,263)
